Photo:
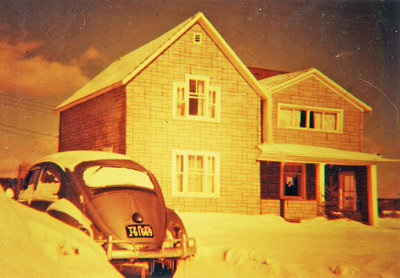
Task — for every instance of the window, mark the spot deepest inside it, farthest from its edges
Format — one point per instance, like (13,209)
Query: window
(103,176)
(347,191)
(293,181)
(49,183)
(195,99)
(195,174)
(314,118)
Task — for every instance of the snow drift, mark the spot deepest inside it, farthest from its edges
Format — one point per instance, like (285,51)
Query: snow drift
(33,244)
(268,246)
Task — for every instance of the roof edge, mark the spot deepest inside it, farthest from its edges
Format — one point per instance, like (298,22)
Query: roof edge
(329,82)
(104,90)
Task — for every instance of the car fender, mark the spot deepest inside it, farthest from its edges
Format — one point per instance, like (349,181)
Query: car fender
(67,212)
(175,224)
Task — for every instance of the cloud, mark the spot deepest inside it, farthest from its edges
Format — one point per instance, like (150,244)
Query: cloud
(91,54)
(22,72)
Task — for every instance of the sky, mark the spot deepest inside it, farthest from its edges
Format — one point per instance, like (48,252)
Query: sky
(49,49)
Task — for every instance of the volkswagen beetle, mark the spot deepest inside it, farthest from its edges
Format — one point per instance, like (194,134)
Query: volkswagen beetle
(117,202)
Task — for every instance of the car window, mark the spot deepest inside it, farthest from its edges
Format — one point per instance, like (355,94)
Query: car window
(49,183)
(104,176)
(30,185)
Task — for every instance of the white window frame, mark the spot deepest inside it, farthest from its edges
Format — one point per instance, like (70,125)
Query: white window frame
(308,109)
(185,190)
(181,96)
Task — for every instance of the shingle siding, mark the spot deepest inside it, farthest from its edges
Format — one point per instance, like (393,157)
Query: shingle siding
(96,124)
(313,92)
(153,133)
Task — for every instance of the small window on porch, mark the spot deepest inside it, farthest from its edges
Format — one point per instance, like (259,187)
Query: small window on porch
(293,181)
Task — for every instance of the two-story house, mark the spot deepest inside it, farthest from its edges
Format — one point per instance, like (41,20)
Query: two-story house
(218,140)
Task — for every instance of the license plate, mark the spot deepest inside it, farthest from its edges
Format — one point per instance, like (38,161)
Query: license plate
(139,231)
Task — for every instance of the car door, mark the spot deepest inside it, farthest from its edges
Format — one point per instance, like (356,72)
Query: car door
(42,187)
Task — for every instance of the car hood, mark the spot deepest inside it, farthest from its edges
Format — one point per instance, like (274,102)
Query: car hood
(112,211)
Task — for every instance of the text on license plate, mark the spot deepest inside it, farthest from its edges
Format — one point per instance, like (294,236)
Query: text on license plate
(139,231)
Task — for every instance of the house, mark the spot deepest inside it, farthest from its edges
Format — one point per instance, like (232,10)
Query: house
(311,161)
(218,140)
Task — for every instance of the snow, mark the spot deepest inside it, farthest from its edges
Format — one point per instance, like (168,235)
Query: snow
(70,159)
(267,246)
(229,245)
(33,244)
(303,152)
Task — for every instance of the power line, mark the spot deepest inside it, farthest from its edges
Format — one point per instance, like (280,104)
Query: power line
(30,102)
(27,106)
(27,130)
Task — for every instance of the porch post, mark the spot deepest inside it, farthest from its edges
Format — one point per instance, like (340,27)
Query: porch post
(320,187)
(372,195)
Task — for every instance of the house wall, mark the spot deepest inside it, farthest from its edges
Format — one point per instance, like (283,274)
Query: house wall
(153,133)
(271,202)
(313,92)
(96,124)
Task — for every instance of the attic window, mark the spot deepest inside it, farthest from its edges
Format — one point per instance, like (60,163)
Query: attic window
(197,38)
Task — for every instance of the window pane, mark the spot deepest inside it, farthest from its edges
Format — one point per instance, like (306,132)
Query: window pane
(303,118)
(49,183)
(200,87)
(330,121)
(292,179)
(193,106)
(199,164)
(318,120)
(285,117)
(192,85)
(195,183)
(291,185)
(104,176)
(192,161)
(201,107)
(296,118)
(311,120)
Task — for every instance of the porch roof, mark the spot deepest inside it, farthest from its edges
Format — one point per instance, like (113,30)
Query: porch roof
(312,154)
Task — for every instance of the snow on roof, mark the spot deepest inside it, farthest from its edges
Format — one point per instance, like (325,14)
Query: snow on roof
(274,84)
(312,154)
(126,68)
(69,159)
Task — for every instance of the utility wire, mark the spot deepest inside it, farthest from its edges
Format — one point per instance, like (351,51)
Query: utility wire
(27,130)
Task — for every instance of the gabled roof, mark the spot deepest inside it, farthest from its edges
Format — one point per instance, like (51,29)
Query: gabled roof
(126,68)
(276,83)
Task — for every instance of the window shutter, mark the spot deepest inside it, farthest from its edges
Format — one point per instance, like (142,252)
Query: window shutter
(214,100)
(180,97)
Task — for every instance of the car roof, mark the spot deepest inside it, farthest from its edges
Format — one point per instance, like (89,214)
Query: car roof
(69,159)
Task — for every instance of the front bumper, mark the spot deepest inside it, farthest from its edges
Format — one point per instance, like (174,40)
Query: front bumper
(170,249)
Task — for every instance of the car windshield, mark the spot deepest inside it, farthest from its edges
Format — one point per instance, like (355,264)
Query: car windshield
(106,176)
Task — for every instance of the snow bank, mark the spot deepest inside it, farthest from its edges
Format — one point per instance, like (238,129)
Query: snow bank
(33,244)
(267,246)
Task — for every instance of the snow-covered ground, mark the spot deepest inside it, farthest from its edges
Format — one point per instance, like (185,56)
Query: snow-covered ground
(32,244)
(267,246)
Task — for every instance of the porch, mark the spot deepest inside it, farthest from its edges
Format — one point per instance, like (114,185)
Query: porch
(300,182)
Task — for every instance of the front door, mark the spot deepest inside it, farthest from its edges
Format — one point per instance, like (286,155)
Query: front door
(347,191)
